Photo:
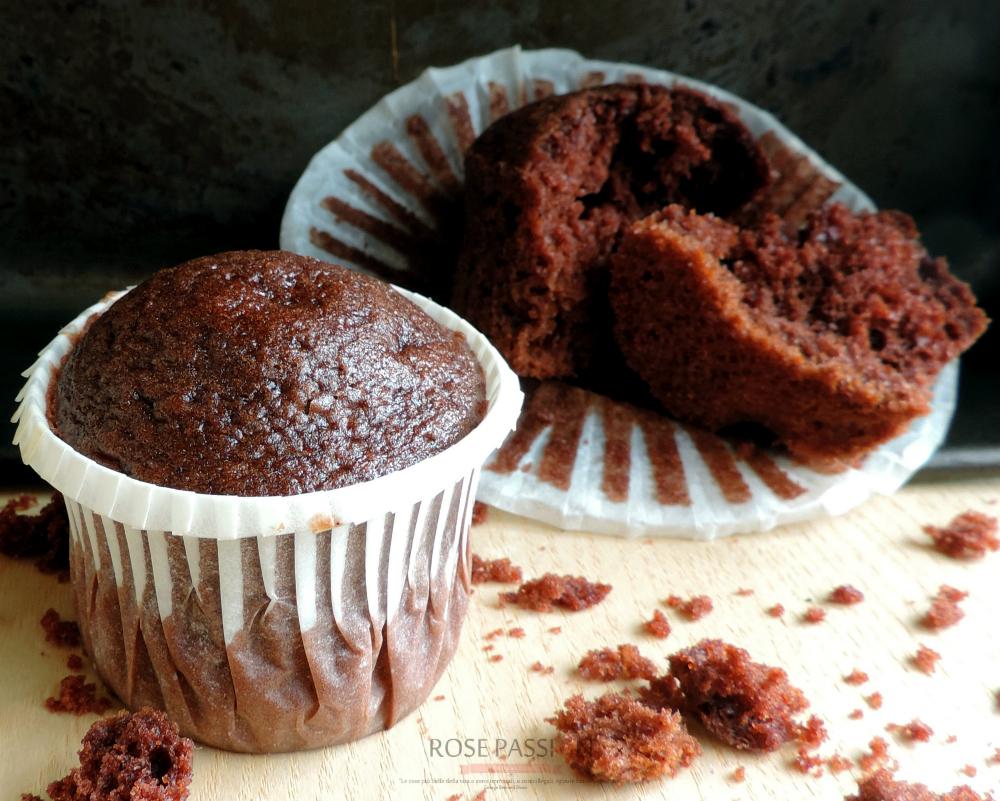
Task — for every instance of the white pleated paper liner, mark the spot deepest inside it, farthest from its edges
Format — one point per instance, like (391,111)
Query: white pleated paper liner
(383,198)
(141,505)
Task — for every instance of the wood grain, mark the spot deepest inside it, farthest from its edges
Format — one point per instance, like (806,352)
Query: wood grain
(878,548)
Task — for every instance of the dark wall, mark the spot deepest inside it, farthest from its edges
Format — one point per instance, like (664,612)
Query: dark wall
(136,135)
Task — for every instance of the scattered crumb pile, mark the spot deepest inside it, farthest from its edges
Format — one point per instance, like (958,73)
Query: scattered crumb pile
(882,786)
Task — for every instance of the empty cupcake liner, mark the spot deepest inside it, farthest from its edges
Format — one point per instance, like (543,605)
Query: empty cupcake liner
(384,198)
(271,624)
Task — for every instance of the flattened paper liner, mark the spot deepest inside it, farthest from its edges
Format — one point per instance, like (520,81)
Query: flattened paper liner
(271,624)
(384,198)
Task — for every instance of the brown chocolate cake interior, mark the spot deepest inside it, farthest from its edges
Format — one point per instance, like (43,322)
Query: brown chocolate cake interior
(549,189)
(830,336)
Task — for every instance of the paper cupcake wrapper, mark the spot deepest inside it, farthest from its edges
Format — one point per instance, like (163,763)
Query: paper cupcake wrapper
(271,624)
(278,643)
(384,197)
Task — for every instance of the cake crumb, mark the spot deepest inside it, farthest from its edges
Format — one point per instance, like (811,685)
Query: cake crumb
(877,755)
(916,731)
(130,757)
(439,697)
(480,512)
(925,659)
(838,763)
(846,595)
(78,697)
(42,538)
(874,700)
(944,610)
(881,785)
(497,571)
(776,611)
(694,608)
(968,536)
(615,738)
(566,592)
(658,625)
(970,771)
(64,633)
(805,762)
(609,664)
(856,714)
(544,670)
(743,592)
(814,615)
(555,630)
(746,704)
(856,677)
(813,734)
(74,662)
(738,775)
(516,633)
(496,658)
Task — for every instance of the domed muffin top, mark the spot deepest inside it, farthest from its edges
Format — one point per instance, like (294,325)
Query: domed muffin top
(264,373)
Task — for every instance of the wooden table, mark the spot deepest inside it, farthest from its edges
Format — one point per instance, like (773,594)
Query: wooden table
(878,548)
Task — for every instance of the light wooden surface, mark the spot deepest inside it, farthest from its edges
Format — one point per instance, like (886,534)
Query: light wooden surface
(879,548)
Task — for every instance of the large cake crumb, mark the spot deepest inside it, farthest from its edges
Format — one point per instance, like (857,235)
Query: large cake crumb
(130,757)
(743,703)
(615,738)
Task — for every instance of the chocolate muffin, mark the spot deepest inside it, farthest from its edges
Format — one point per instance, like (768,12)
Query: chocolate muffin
(264,373)
(550,187)
(829,336)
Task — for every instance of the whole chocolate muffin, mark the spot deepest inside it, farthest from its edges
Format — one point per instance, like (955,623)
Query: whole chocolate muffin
(829,336)
(549,189)
(264,373)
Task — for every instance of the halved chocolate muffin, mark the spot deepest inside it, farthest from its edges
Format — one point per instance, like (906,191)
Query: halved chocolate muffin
(551,186)
(829,336)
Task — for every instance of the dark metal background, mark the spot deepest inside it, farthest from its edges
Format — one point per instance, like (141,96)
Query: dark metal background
(137,135)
